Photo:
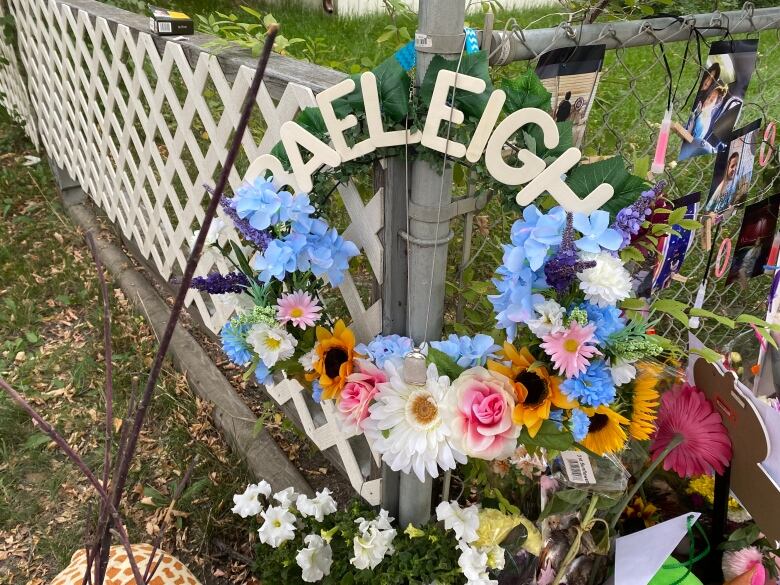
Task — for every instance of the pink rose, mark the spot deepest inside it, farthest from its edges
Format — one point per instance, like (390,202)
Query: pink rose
(358,393)
(481,403)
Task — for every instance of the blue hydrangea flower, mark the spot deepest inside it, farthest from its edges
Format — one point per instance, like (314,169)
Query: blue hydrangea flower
(580,423)
(606,319)
(234,343)
(514,303)
(325,252)
(385,347)
(279,258)
(263,374)
(593,387)
(468,351)
(316,391)
(258,202)
(596,233)
(533,236)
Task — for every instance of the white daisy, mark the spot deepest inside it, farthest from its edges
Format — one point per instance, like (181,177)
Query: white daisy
(248,503)
(319,507)
(607,282)
(278,526)
(406,424)
(463,521)
(271,344)
(314,560)
(550,319)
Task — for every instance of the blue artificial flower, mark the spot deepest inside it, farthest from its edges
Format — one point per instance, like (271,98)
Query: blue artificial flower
(606,319)
(259,202)
(234,343)
(316,391)
(279,258)
(514,304)
(533,236)
(325,252)
(468,351)
(385,347)
(596,233)
(580,423)
(263,374)
(593,387)
(556,416)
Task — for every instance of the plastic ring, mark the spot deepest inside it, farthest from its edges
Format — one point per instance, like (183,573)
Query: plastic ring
(769,136)
(721,263)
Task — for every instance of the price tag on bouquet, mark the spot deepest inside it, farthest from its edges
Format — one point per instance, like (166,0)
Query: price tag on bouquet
(577,467)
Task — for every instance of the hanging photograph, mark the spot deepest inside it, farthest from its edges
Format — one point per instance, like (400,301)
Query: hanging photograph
(718,103)
(674,248)
(571,75)
(734,169)
(755,240)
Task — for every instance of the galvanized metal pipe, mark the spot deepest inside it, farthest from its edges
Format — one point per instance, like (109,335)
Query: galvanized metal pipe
(524,45)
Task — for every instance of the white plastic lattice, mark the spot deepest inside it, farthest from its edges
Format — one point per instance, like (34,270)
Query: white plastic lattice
(142,127)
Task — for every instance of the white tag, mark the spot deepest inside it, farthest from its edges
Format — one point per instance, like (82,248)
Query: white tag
(578,467)
(422,40)
(164,27)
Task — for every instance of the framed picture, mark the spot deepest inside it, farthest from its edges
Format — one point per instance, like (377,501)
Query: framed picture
(734,169)
(718,102)
(756,237)
(571,75)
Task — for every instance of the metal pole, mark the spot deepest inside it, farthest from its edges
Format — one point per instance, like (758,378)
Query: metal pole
(524,45)
(440,31)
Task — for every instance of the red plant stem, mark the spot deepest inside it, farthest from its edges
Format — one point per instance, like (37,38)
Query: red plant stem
(126,456)
(79,462)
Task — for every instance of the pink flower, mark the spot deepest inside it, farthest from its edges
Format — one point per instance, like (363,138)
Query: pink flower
(358,394)
(569,348)
(299,308)
(686,412)
(739,562)
(481,404)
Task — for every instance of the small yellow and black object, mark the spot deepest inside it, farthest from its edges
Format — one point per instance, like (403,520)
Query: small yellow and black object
(170,22)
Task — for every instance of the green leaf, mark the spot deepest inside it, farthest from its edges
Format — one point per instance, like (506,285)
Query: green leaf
(393,86)
(689,224)
(565,131)
(730,323)
(31,337)
(583,179)
(633,304)
(444,363)
(548,437)
(311,119)
(676,216)
(631,253)
(673,308)
(473,64)
(525,91)
(564,501)
(708,354)
(36,440)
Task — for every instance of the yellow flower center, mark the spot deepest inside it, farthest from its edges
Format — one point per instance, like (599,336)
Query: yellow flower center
(571,345)
(273,343)
(296,312)
(277,523)
(423,409)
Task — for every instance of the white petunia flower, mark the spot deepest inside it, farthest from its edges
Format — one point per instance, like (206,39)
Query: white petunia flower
(496,559)
(278,526)
(248,503)
(406,424)
(464,521)
(550,319)
(271,344)
(286,497)
(314,560)
(308,360)
(319,507)
(622,372)
(373,543)
(607,282)
(473,564)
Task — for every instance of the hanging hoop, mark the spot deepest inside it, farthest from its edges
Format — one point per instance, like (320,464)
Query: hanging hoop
(721,262)
(769,137)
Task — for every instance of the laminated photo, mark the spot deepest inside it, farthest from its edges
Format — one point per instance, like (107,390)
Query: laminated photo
(675,247)
(571,75)
(734,169)
(718,102)
(756,237)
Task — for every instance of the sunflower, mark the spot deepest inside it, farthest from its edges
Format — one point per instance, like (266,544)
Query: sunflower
(605,433)
(335,352)
(536,390)
(645,402)
(640,511)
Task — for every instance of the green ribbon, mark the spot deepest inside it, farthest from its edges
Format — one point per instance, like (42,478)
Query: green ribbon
(692,558)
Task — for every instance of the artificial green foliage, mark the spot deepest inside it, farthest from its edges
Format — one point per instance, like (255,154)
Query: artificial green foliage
(473,64)
(393,84)
(444,363)
(549,437)
(310,119)
(525,91)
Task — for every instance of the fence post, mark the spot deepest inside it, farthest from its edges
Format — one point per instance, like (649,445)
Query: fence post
(440,31)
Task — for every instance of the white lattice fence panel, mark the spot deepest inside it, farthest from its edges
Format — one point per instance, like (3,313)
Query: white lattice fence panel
(13,91)
(142,129)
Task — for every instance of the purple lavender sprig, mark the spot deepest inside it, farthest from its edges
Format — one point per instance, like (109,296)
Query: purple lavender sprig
(220,284)
(260,238)
(629,220)
(561,270)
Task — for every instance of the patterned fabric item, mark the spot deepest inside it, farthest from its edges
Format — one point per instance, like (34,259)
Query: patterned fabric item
(407,57)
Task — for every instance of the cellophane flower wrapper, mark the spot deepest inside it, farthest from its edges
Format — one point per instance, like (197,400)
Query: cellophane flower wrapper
(610,477)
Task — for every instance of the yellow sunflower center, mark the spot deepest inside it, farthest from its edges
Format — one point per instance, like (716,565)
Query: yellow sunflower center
(536,389)
(334,358)
(597,422)
(296,312)
(571,345)
(423,409)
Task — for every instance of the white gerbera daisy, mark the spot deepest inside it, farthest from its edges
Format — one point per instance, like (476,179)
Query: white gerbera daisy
(406,424)
(550,319)
(316,559)
(607,282)
(271,344)
(279,526)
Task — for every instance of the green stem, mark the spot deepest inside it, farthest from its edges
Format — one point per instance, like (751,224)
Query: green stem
(574,549)
(642,478)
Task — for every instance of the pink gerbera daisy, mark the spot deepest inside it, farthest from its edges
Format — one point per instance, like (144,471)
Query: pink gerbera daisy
(298,308)
(704,444)
(569,348)
(739,562)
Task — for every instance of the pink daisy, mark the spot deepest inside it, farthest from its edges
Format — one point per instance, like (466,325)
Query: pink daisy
(569,348)
(298,308)
(705,445)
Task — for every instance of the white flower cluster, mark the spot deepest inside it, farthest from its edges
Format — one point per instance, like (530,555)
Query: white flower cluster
(279,523)
(374,541)
(606,283)
(473,561)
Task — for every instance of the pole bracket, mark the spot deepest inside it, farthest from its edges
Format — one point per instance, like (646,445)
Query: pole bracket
(458,207)
(424,242)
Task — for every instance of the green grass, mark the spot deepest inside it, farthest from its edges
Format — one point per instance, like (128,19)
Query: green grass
(51,351)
